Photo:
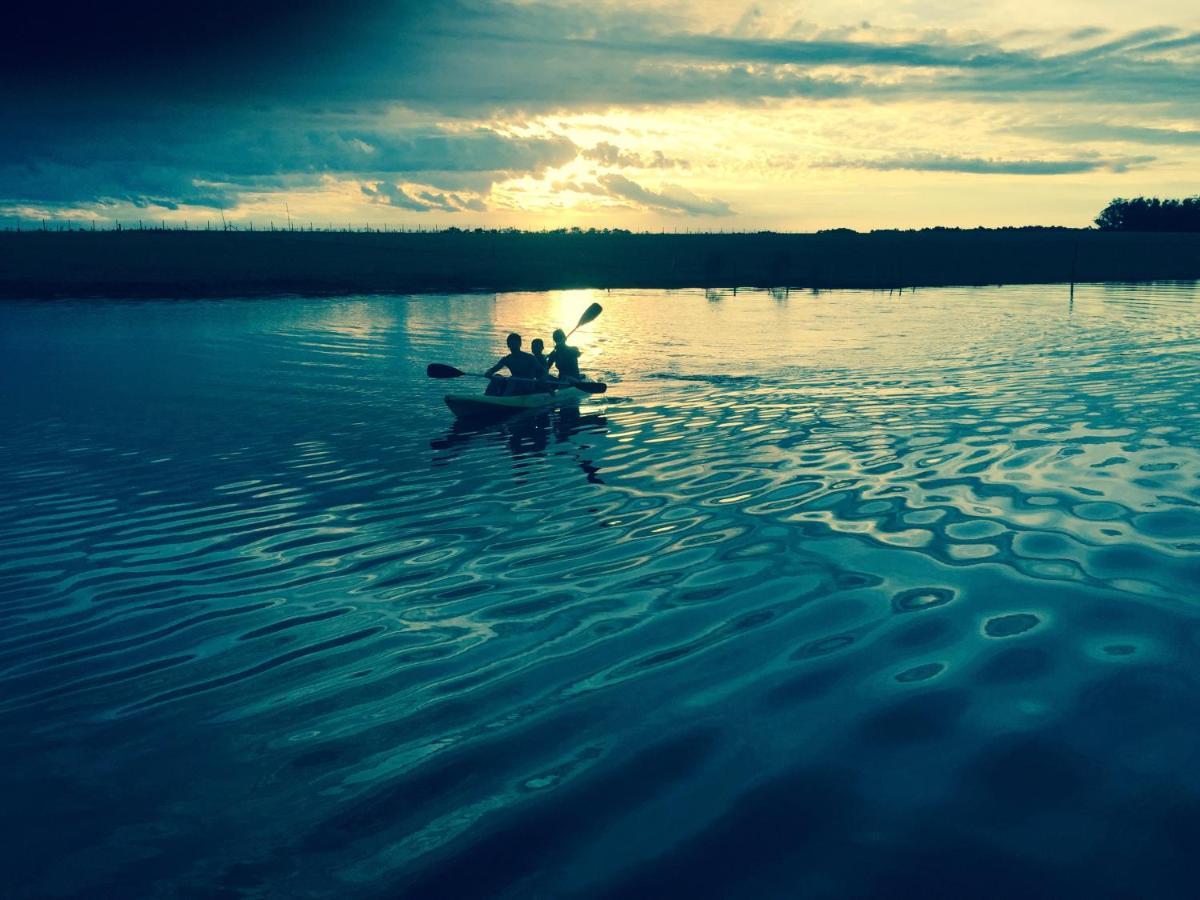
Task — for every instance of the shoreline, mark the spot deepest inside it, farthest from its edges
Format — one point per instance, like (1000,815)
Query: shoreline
(163,264)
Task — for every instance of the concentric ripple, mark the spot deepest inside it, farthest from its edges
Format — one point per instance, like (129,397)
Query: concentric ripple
(831,593)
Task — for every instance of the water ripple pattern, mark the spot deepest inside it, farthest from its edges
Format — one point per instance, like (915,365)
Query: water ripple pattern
(836,594)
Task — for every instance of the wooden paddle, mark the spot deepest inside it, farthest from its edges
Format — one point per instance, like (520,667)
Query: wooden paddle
(441,370)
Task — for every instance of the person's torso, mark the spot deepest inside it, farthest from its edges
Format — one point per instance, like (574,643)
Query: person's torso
(567,360)
(523,365)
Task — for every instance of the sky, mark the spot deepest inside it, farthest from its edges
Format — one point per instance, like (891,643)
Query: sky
(789,116)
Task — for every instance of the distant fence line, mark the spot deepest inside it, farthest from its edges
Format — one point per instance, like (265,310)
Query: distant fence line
(1136,214)
(71,225)
(141,225)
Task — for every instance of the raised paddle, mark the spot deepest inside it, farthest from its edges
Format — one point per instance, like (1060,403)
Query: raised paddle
(441,370)
(589,315)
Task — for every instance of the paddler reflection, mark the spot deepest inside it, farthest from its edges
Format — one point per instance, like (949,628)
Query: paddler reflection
(527,436)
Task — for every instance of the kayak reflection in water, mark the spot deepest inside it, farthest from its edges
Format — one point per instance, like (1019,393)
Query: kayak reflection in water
(530,435)
(565,357)
(528,375)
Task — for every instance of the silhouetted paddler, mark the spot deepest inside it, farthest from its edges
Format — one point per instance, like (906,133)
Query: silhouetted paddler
(564,356)
(537,347)
(524,367)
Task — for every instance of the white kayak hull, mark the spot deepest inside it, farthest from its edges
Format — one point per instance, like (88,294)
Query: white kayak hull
(467,405)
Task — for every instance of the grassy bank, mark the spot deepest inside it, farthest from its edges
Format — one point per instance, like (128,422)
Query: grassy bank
(217,263)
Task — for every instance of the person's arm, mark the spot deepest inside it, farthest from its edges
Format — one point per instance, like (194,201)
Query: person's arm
(497,367)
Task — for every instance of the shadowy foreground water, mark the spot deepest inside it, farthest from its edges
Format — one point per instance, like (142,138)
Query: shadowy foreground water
(837,594)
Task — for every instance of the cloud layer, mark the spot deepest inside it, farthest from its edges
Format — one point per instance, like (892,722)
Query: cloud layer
(671,199)
(457,107)
(935,162)
(143,163)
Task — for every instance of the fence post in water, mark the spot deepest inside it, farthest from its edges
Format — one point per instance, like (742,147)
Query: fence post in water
(1074,261)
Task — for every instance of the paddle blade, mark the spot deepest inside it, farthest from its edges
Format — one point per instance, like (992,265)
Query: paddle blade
(590,387)
(590,314)
(441,370)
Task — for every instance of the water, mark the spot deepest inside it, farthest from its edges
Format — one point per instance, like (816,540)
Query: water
(831,595)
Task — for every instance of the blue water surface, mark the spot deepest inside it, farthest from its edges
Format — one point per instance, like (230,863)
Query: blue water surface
(837,594)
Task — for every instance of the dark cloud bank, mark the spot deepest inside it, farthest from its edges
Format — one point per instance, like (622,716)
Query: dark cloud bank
(167,164)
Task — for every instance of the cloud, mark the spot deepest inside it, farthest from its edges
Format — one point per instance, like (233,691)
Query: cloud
(1094,131)
(438,201)
(587,187)
(672,198)
(609,154)
(191,161)
(141,103)
(425,200)
(474,57)
(393,195)
(975,165)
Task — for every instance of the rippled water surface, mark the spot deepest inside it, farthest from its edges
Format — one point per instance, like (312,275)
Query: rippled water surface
(830,595)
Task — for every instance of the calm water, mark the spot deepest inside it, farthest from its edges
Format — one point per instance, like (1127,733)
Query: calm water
(831,595)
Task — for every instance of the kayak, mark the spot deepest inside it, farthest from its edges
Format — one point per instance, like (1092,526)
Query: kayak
(468,405)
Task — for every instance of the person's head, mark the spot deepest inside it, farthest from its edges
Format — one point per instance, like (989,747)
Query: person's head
(560,336)
(514,342)
(536,346)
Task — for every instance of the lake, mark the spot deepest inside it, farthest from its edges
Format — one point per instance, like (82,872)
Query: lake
(832,594)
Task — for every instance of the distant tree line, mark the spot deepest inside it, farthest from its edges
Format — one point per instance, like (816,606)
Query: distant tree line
(1150,214)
